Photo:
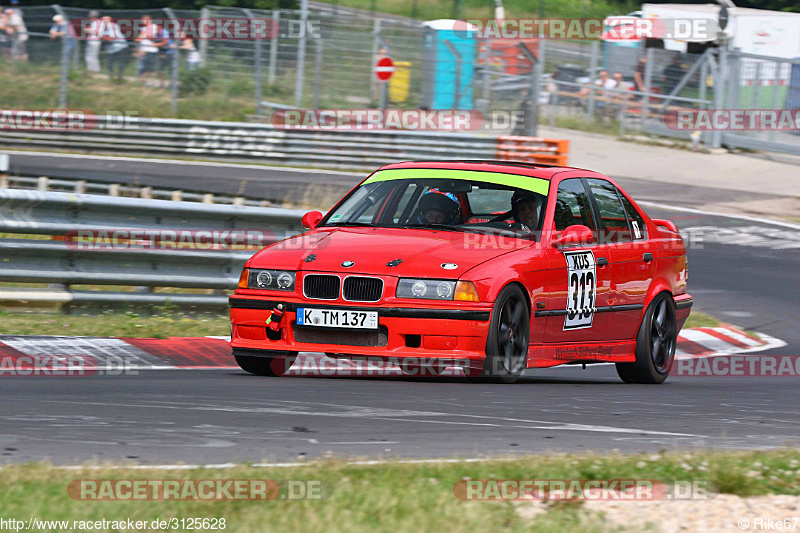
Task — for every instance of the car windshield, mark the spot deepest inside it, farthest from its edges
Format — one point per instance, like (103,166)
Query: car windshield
(507,204)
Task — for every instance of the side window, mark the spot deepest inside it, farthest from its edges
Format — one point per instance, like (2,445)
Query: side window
(572,205)
(635,218)
(613,220)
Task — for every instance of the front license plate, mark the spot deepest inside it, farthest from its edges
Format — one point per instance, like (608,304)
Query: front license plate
(337,318)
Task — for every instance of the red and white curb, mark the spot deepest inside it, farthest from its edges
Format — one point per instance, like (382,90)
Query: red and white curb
(722,340)
(174,353)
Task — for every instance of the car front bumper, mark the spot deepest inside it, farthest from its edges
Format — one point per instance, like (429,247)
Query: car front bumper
(404,332)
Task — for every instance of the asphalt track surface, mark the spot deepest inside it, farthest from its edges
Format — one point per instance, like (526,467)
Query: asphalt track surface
(218,416)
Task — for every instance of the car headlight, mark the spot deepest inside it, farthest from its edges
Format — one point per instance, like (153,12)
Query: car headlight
(437,289)
(426,289)
(272,280)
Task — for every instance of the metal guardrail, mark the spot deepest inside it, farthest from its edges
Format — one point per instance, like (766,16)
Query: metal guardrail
(54,213)
(67,263)
(264,143)
(81,186)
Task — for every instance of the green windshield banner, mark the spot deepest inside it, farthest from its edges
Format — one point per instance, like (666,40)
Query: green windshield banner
(537,185)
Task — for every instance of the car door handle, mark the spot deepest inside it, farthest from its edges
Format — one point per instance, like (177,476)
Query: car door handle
(647,257)
(602,261)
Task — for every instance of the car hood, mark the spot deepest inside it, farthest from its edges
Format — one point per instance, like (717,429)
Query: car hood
(370,249)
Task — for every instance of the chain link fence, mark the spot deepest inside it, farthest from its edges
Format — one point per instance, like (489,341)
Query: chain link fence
(327,62)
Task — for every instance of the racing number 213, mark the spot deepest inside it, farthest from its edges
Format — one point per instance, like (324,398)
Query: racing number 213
(582,289)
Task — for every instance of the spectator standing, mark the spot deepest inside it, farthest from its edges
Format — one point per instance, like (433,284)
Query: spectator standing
(59,31)
(166,48)
(148,48)
(192,53)
(622,94)
(602,82)
(16,29)
(672,74)
(621,83)
(638,75)
(5,38)
(116,48)
(92,30)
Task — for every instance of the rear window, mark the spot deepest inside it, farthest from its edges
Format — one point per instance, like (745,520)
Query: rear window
(613,219)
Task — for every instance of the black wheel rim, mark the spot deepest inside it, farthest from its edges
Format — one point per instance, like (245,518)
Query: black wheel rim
(512,335)
(662,336)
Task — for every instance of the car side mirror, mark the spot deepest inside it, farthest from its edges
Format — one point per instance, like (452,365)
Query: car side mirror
(311,219)
(573,235)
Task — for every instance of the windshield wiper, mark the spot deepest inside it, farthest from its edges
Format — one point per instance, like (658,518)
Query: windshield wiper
(443,227)
(353,224)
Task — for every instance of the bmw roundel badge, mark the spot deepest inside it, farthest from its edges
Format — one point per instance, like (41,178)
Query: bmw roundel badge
(348,264)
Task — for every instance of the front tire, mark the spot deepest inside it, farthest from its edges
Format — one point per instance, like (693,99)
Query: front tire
(509,334)
(274,366)
(655,344)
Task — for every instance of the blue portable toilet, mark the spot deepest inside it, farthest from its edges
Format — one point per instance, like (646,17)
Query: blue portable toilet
(441,72)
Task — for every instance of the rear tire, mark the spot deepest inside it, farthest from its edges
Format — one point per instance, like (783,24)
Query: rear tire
(655,344)
(509,334)
(274,367)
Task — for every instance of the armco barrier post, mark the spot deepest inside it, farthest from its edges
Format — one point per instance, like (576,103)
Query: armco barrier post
(4,164)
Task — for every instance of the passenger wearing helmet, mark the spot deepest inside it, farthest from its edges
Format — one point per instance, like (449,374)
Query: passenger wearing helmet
(437,207)
(525,206)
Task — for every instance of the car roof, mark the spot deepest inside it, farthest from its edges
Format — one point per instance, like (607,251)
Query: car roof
(520,168)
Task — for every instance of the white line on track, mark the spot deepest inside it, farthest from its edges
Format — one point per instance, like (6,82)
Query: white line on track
(285,465)
(392,415)
(715,214)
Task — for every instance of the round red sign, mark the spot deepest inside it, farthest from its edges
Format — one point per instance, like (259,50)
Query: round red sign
(384,68)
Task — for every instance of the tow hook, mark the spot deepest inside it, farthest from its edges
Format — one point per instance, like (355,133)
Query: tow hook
(275,317)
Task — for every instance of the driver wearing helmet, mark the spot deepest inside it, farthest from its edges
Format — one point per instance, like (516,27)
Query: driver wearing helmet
(525,206)
(437,207)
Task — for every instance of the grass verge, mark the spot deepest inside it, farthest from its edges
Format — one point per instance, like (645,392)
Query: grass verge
(395,496)
(36,86)
(699,319)
(165,324)
(480,9)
